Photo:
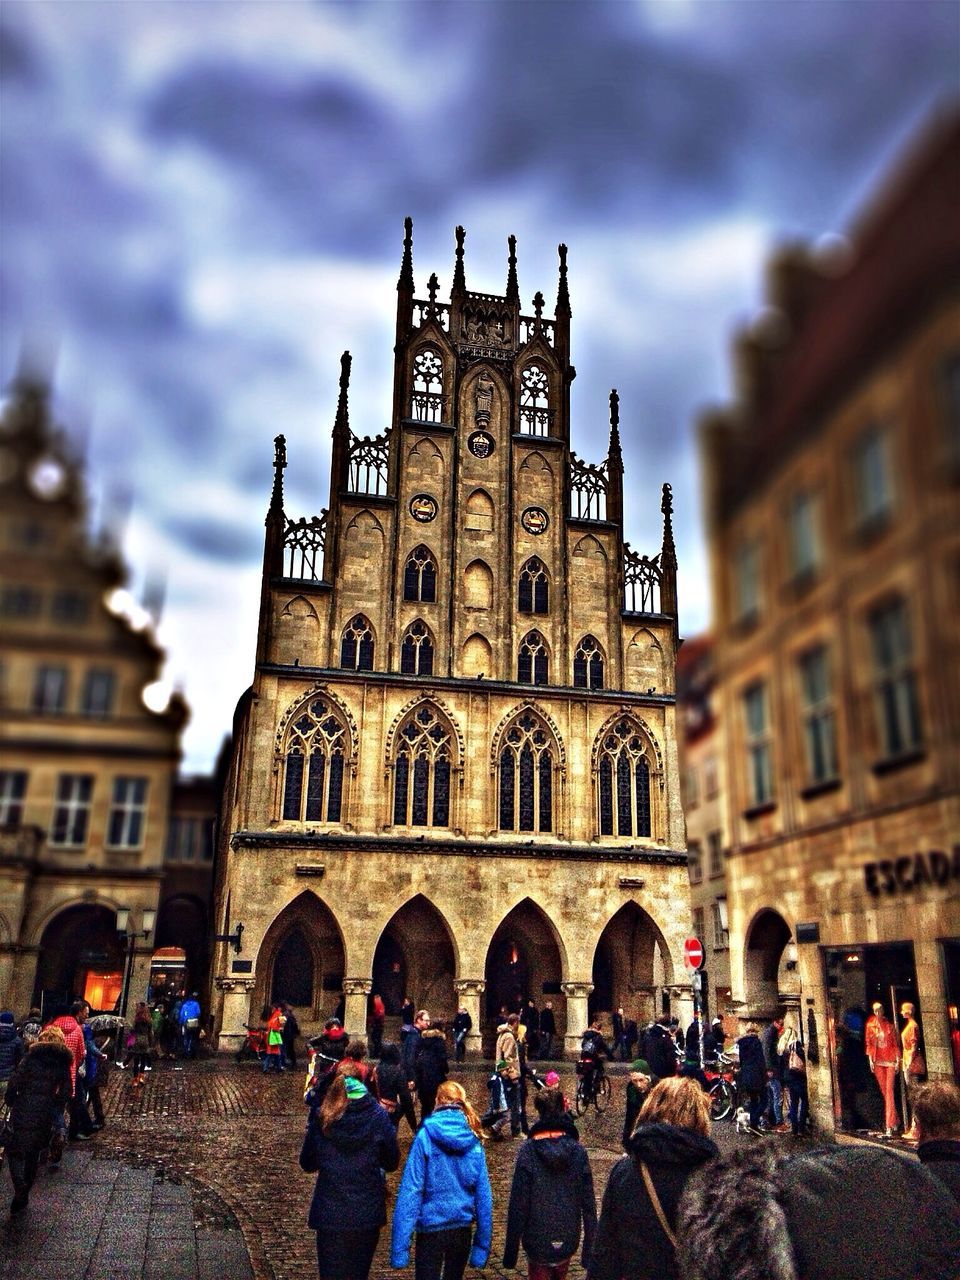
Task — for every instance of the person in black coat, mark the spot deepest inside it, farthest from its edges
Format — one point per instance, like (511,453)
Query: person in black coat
(936,1110)
(552,1191)
(659,1050)
(37,1093)
(430,1067)
(753,1073)
(394,1090)
(548,1030)
(670,1142)
(291,1029)
(349,1144)
(462,1026)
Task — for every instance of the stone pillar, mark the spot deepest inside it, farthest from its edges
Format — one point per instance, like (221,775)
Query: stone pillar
(355,993)
(139,977)
(235,1004)
(469,991)
(578,1019)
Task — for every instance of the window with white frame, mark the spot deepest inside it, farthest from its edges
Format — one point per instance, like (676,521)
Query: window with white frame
(746,582)
(98,692)
(696,916)
(714,854)
(872,477)
(721,937)
(128,810)
(13,788)
(694,861)
(50,690)
(895,681)
(819,716)
(803,535)
(71,810)
(759,749)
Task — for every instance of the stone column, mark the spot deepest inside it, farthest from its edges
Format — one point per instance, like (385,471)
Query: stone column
(578,1019)
(469,991)
(235,1004)
(355,993)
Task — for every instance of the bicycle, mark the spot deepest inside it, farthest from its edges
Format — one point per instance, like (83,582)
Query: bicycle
(592,1086)
(254,1045)
(722,1087)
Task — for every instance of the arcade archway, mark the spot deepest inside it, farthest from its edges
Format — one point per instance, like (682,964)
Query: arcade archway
(523,962)
(182,924)
(766,941)
(415,957)
(631,966)
(81,958)
(302,959)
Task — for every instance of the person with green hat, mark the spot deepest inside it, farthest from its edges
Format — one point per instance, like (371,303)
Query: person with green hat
(638,1087)
(350,1144)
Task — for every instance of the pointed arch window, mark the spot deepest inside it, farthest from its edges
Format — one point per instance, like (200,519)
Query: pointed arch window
(533,594)
(534,401)
(420,577)
(356,647)
(525,771)
(416,651)
(421,771)
(427,399)
(313,765)
(533,663)
(588,665)
(623,782)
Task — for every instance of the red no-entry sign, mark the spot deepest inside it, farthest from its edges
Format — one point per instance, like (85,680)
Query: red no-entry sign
(693,953)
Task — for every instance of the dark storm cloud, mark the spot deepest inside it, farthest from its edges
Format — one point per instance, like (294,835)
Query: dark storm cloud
(18,60)
(225,541)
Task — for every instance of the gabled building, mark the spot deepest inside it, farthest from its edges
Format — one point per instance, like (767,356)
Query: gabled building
(86,770)
(455,774)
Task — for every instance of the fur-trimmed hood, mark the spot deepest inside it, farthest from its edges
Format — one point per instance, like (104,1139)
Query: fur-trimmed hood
(840,1213)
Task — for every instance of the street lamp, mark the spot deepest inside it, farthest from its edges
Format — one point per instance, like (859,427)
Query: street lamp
(130,936)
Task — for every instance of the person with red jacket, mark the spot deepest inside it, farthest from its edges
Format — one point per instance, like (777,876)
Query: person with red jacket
(81,1127)
(883,1054)
(273,1058)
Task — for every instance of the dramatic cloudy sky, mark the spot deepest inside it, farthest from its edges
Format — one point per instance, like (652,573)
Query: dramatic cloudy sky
(202,205)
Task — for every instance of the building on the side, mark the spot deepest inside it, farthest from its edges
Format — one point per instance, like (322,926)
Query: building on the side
(86,770)
(835,538)
(455,774)
(704,805)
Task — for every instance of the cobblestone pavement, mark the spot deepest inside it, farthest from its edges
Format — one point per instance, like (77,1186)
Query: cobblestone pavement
(206,1151)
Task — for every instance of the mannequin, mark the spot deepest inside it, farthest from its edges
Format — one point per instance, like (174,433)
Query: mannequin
(881,1044)
(914,1067)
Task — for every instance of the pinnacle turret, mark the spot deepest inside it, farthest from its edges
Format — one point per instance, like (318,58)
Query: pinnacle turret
(405,282)
(513,287)
(459,278)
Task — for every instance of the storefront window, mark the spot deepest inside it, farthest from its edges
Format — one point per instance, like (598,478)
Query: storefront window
(858,978)
(950,959)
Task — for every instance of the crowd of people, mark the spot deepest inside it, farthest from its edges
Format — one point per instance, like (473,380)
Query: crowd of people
(783,1217)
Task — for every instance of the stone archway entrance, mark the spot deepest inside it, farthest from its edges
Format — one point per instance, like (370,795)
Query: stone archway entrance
(302,960)
(182,923)
(81,958)
(415,957)
(766,941)
(523,962)
(631,966)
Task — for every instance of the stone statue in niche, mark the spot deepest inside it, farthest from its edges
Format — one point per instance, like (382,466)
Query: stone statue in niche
(484,399)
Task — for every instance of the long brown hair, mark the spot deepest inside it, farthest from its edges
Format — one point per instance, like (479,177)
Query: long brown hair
(335,1100)
(452,1094)
(680,1101)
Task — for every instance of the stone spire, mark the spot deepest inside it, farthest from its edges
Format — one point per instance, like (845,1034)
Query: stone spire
(615,465)
(563,293)
(513,288)
(279,466)
(459,279)
(668,554)
(340,453)
(405,282)
(614,424)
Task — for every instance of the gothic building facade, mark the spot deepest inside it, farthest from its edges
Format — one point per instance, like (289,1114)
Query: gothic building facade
(455,773)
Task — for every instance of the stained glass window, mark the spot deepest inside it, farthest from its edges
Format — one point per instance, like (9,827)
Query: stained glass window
(314,755)
(424,746)
(533,594)
(420,577)
(532,660)
(588,665)
(623,781)
(526,777)
(416,651)
(356,647)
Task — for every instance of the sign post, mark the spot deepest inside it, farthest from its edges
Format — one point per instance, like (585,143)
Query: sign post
(693,962)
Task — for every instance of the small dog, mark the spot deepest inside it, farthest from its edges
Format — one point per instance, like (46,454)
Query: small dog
(742,1120)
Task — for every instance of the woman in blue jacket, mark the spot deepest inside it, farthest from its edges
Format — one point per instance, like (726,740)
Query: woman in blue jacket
(350,1144)
(445,1189)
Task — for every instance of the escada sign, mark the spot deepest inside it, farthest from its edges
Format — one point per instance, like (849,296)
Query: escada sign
(897,875)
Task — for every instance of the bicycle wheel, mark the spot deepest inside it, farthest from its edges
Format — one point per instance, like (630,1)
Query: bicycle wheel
(722,1100)
(581,1101)
(601,1094)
